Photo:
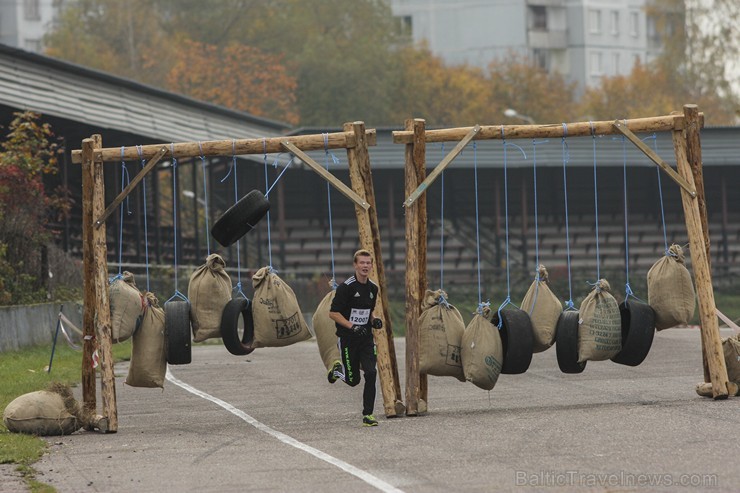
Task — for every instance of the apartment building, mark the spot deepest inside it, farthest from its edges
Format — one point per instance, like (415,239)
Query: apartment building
(581,39)
(23,23)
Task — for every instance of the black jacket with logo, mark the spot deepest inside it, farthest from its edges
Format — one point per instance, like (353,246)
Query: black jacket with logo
(356,302)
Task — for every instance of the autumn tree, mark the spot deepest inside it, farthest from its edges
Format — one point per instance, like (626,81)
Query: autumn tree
(28,153)
(235,76)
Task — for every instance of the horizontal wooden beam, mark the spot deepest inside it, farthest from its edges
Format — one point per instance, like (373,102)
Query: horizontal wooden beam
(577,129)
(240,147)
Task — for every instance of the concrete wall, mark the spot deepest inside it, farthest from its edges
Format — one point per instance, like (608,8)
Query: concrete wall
(34,325)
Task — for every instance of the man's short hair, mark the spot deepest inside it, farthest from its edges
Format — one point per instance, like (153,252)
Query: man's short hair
(361,253)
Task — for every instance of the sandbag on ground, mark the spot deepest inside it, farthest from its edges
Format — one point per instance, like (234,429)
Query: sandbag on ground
(209,291)
(44,413)
(441,328)
(326,331)
(278,320)
(544,309)
(670,290)
(599,326)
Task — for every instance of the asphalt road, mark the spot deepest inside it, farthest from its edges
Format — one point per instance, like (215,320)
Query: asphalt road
(271,422)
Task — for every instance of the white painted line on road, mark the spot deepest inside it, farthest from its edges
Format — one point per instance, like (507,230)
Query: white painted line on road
(349,468)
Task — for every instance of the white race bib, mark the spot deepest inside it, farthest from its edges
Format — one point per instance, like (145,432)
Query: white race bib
(359,316)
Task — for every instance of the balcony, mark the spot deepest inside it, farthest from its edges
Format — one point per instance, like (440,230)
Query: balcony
(549,39)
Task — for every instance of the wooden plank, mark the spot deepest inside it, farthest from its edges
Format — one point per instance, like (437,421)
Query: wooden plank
(359,170)
(441,166)
(421,213)
(336,183)
(619,125)
(702,277)
(130,187)
(102,303)
(89,389)
(577,129)
(313,142)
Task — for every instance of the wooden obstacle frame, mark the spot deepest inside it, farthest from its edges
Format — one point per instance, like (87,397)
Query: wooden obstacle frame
(685,128)
(96,310)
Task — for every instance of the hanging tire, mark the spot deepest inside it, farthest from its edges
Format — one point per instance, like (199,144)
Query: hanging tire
(230,326)
(566,343)
(240,218)
(638,330)
(517,340)
(177,332)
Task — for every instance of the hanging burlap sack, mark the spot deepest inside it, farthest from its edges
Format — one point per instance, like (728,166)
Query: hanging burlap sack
(482,353)
(544,309)
(148,357)
(670,290)
(599,326)
(44,412)
(126,307)
(440,334)
(209,291)
(278,320)
(731,348)
(326,331)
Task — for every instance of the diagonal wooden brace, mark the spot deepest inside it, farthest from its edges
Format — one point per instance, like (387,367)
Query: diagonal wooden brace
(343,189)
(126,191)
(622,128)
(441,166)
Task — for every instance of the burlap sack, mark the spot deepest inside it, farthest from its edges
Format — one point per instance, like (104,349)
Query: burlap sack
(148,357)
(441,329)
(544,309)
(209,291)
(599,326)
(731,348)
(42,413)
(482,353)
(126,307)
(326,331)
(670,290)
(278,320)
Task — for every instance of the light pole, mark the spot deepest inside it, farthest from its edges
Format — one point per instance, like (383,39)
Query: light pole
(512,113)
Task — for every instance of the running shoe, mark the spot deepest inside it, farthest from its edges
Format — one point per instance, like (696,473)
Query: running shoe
(369,420)
(335,372)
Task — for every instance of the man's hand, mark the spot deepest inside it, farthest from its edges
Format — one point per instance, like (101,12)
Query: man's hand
(377,323)
(361,330)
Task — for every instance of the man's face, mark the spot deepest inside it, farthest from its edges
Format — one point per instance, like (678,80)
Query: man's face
(363,264)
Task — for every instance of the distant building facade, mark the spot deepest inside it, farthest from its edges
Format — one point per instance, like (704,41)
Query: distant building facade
(23,23)
(583,40)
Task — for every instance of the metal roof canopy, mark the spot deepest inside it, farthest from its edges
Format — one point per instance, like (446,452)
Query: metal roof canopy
(53,87)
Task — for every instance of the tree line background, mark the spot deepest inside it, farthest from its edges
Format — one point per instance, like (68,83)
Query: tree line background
(323,62)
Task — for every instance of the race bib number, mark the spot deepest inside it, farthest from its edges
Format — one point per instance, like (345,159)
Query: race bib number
(359,317)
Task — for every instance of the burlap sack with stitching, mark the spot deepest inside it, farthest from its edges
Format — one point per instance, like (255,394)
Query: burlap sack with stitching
(482,352)
(126,307)
(731,348)
(278,320)
(42,413)
(326,331)
(544,309)
(599,325)
(670,290)
(209,291)
(148,357)
(440,334)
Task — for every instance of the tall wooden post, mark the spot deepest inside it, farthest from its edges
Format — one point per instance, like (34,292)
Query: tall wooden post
(89,391)
(712,346)
(415,270)
(367,224)
(102,302)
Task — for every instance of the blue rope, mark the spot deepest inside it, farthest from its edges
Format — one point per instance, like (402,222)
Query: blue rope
(205,196)
(596,206)
(140,150)
(536,227)
(267,192)
(566,157)
(333,281)
(628,289)
(477,225)
(275,164)
(238,288)
(177,293)
(442,235)
(660,193)
(125,180)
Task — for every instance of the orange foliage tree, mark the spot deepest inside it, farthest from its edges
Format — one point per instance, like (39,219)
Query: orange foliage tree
(235,76)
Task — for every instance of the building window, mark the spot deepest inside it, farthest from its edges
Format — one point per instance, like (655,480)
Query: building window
(33,45)
(541,58)
(596,67)
(614,21)
(615,64)
(594,21)
(635,24)
(538,16)
(31,10)
(406,25)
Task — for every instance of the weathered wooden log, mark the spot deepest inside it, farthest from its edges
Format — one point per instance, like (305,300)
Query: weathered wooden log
(89,390)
